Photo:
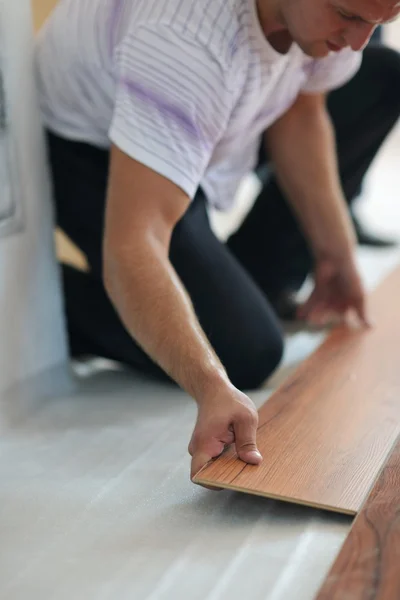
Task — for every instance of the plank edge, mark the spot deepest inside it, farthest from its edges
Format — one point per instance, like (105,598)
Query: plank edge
(287,500)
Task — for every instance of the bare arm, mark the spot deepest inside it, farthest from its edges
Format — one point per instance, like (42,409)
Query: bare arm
(302,147)
(142,210)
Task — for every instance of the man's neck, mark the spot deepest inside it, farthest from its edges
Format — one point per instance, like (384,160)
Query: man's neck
(273,26)
(269,17)
(281,41)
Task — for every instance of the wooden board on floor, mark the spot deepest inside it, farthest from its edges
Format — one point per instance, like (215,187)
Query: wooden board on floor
(327,431)
(368,566)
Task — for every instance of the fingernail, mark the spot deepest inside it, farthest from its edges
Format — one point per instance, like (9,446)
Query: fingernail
(254,454)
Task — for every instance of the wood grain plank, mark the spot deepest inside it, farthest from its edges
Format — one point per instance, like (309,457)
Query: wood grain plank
(326,432)
(368,565)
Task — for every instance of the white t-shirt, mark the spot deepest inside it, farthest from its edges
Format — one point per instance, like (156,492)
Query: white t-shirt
(186,87)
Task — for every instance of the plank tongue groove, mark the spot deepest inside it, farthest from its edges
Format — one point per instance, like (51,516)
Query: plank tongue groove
(326,432)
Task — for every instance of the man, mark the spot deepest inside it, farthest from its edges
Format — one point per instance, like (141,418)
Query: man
(155,109)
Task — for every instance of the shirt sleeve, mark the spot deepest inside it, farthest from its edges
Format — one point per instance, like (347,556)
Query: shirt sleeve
(332,71)
(172,103)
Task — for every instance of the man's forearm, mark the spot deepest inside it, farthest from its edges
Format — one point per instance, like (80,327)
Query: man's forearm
(302,148)
(158,313)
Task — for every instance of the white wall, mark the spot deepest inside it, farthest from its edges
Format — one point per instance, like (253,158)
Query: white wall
(32,334)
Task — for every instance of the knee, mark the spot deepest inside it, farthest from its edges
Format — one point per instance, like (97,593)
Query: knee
(258,360)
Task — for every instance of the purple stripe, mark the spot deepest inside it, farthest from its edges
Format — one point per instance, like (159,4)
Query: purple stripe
(167,109)
(197,91)
(208,124)
(183,85)
(148,124)
(191,74)
(227,30)
(234,43)
(180,92)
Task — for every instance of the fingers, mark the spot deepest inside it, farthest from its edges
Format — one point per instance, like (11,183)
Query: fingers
(221,425)
(354,307)
(245,439)
(199,460)
(323,313)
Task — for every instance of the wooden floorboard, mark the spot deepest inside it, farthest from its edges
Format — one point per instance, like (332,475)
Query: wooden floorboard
(368,566)
(327,431)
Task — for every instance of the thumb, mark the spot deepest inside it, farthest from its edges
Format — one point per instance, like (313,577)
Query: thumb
(245,441)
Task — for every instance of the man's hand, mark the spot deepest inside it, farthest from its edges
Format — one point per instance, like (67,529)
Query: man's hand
(226,418)
(338,290)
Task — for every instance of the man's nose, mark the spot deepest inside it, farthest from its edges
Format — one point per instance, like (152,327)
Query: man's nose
(357,37)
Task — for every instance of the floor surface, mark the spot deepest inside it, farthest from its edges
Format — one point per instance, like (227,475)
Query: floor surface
(96,504)
(96,501)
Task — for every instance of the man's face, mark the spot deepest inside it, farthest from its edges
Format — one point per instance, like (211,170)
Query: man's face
(321,26)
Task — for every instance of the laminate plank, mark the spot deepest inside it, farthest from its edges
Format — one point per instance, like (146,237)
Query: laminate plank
(325,433)
(367,567)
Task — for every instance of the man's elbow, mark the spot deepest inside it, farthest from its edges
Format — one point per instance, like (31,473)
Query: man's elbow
(112,269)
(130,259)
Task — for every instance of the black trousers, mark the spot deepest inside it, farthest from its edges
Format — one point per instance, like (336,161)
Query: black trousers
(229,284)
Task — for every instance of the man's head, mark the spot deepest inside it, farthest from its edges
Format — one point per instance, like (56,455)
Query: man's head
(320,26)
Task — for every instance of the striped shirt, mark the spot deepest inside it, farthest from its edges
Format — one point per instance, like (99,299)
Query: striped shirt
(186,87)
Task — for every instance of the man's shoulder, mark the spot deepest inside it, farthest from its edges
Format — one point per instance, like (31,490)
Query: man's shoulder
(215,24)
